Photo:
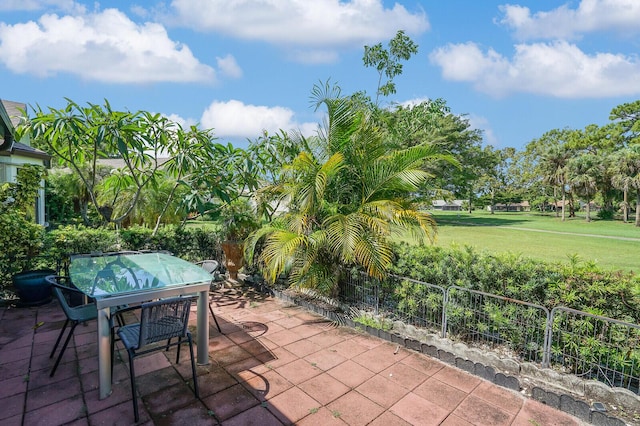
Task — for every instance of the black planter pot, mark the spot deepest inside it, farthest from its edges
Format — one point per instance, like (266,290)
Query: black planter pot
(31,287)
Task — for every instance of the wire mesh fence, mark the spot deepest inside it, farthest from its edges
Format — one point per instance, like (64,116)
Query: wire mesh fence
(571,341)
(595,347)
(497,322)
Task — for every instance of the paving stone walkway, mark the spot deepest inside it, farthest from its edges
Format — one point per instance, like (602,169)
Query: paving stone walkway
(274,364)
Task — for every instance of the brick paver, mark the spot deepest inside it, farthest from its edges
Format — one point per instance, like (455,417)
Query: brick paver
(275,364)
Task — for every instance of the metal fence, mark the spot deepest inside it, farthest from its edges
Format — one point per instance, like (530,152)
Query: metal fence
(571,341)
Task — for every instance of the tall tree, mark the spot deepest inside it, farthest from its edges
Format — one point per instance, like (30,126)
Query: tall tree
(627,175)
(388,61)
(584,172)
(346,199)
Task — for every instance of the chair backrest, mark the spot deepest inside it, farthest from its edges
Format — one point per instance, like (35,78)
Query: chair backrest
(209,265)
(164,319)
(62,290)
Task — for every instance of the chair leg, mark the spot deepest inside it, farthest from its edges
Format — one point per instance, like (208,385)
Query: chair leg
(133,387)
(64,327)
(178,352)
(214,317)
(64,347)
(193,368)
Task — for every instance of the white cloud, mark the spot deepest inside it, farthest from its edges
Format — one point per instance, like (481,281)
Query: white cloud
(229,67)
(105,46)
(318,23)
(557,69)
(236,119)
(590,15)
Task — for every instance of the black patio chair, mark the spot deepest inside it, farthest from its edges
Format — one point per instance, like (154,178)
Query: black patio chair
(211,266)
(159,321)
(63,291)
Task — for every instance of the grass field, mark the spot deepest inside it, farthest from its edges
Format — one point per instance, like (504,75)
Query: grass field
(611,244)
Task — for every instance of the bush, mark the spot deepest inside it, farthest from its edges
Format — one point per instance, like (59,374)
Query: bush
(581,286)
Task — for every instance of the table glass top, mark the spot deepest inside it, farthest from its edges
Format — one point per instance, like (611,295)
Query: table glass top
(110,275)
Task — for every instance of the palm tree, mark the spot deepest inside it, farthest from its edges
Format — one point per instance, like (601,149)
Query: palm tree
(554,167)
(626,176)
(584,172)
(346,198)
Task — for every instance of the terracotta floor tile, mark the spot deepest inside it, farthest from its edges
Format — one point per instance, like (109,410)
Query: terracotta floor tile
(230,402)
(281,357)
(119,394)
(194,414)
(389,419)
(423,364)
(325,359)
(382,391)
(324,388)
(288,413)
(380,358)
(55,392)
(229,355)
(58,413)
(254,416)
(302,348)
(214,381)
(457,378)
(311,329)
(39,378)
(277,364)
(298,371)
(283,338)
(266,386)
(534,412)
(321,417)
(289,322)
(351,373)
(349,348)
(419,411)
(506,399)
(166,399)
(479,412)
(454,420)
(404,375)
(354,409)
(11,406)
(329,338)
(121,415)
(9,354)
(440,393)
(14,368)
(155,380)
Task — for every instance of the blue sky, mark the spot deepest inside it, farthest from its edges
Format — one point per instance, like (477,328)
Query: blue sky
(515,69)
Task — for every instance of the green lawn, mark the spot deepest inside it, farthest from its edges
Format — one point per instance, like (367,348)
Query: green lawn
(611,244)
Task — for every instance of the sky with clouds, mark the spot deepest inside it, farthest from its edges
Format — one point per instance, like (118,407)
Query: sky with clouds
(516,70)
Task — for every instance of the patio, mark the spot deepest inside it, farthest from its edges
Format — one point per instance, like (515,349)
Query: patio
(275,364)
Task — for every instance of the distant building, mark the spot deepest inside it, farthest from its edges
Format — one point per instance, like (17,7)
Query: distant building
(523,206)
(455,205)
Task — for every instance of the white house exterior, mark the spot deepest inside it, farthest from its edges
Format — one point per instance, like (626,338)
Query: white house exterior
(15,154)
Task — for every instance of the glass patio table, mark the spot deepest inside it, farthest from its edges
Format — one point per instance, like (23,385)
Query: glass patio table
(121,279)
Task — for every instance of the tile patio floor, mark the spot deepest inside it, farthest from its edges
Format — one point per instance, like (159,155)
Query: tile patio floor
(275,364)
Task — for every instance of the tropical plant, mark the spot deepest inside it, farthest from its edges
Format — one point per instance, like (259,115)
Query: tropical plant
(346,198)
(20,237)
(553,165)
(584,171)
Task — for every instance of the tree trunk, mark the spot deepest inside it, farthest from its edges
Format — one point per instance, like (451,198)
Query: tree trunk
(588,211)
(625,206)
(563,203)
(637,207)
